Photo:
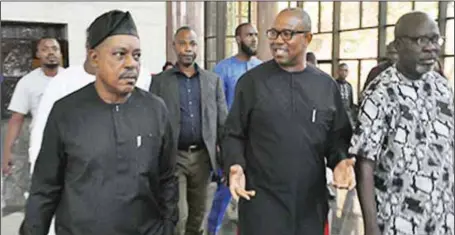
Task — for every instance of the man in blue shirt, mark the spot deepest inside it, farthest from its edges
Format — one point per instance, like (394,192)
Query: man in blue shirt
(230,70)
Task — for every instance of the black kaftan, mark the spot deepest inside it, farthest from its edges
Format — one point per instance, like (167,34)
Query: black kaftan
(105,169)
(280,127)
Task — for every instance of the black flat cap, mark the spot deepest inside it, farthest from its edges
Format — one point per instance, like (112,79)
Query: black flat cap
(111,23)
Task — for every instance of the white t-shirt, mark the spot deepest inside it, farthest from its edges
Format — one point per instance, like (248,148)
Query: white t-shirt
(71,80)
(28,92)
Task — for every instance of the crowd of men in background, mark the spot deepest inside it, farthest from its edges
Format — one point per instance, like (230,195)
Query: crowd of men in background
(116,151)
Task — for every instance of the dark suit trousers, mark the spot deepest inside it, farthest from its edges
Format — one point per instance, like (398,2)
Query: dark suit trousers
(193,171)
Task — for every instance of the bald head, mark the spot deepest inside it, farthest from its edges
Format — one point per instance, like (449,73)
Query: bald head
(418,43)
(297,15)
(411,23)
(289,38)
(183,29)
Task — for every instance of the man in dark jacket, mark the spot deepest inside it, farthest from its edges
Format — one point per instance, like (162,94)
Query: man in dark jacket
(197,107)
(107,159)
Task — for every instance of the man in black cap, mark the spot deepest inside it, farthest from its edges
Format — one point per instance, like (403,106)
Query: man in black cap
(106,164)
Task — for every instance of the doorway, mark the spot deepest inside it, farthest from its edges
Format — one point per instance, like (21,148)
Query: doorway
(18,46)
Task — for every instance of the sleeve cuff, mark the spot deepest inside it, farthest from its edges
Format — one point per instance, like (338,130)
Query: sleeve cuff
(335,160)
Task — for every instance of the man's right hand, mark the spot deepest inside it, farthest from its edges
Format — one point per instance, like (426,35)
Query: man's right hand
(6,163)
(237,183)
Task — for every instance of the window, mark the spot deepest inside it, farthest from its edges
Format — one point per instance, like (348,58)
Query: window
(284,5)
(369,14)
(359,44)
(312,8)
(321,46)
(431,8)
(358,37)
(253,17)
(350,15)
(326,67)
(449,38)
(396,9)
(231,47)
(210,45)
(233,17)
(327,21)
(450,9)
(390,34)
(365,68)
(353,78)
(321,14)
(323,9)
(237,13)
(210,38)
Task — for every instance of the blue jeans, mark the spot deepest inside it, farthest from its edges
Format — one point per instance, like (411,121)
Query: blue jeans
(220,203)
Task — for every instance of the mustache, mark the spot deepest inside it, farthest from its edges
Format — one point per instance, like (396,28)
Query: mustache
(129,75)
(51,56)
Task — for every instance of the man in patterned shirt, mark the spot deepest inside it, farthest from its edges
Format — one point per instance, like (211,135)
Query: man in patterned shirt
(404,139)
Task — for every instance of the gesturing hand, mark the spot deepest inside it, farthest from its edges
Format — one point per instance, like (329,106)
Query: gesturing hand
(237,184)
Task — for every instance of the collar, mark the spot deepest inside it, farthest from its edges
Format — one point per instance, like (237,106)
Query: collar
(41,72)
(406,79)
(176,69)
(341,81)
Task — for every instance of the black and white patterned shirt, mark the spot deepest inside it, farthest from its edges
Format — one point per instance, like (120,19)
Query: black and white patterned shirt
(407,128)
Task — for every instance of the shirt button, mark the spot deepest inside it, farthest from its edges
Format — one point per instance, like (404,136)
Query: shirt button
(189,90)
(191,115)
(191,102)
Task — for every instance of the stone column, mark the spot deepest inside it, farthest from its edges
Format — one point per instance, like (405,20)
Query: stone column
(266,13)
(180,14)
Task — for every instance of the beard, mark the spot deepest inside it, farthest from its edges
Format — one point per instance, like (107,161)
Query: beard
(187,62)
(247,50)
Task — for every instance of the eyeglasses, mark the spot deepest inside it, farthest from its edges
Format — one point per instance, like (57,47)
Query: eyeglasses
(425,40)
(286,34)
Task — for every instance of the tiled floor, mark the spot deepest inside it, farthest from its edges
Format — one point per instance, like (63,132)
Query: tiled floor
(11,223)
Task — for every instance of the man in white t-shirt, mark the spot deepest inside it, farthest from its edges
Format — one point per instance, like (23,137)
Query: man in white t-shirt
(28,92)
(71,80)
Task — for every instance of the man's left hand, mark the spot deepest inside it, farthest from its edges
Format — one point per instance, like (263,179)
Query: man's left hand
(343,174)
